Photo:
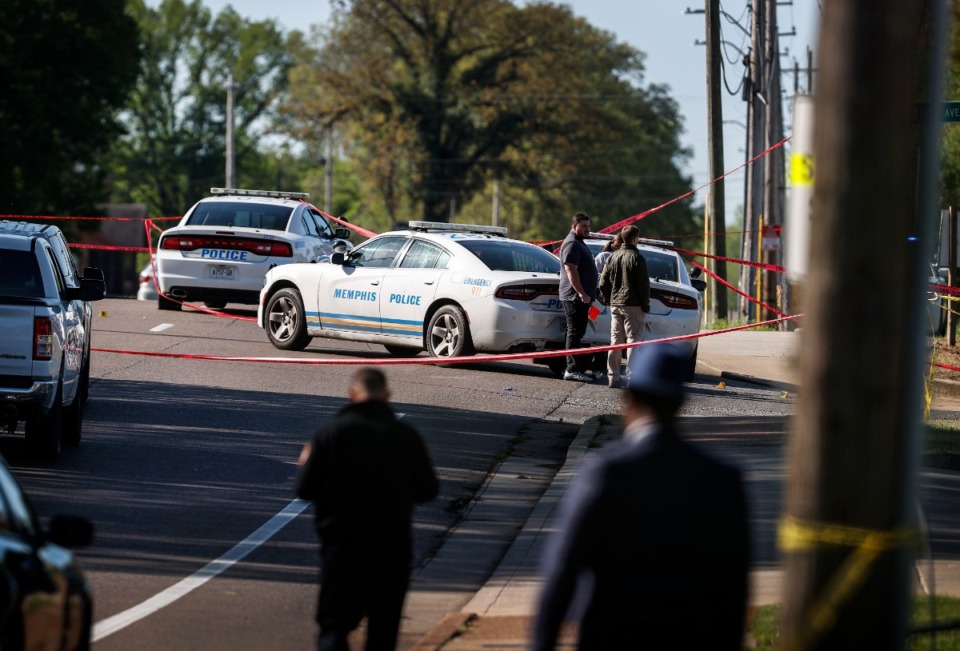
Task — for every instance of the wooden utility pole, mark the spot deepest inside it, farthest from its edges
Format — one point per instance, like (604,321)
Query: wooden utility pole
(851,491)
(773,169)
(717,210)
(230,171)
(755,135)
(951,273)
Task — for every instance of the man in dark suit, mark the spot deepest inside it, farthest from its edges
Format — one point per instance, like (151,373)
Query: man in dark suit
(364,471)
(654,530)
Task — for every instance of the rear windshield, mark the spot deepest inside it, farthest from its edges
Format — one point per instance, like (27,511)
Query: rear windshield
(20,274)
(508,255)
(662,266)
(241,214)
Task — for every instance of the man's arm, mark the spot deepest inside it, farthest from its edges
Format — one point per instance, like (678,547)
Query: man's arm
(574,277)
(566,555)
(309,476)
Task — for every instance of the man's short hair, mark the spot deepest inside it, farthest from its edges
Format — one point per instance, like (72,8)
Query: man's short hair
(373,381)
(629,233)
(580,217)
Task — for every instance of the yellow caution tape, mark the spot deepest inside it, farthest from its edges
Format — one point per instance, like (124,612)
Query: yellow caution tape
(797,535)
(868,544)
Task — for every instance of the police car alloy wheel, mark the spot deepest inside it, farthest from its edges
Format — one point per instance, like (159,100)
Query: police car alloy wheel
(286,321)
(447,334)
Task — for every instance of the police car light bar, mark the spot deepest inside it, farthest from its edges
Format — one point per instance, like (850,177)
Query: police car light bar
(237,192)
(644,240)
(458,228)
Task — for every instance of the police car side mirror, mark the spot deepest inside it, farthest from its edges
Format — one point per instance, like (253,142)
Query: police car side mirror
(338,258)
(699,285)
(342,233)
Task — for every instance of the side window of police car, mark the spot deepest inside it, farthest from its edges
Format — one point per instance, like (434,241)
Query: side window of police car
(309,227)
(424,255)
(322,226)
(379,253)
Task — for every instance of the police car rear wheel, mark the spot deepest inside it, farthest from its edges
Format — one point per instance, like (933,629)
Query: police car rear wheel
(286,321)
(167,304)
(447,334)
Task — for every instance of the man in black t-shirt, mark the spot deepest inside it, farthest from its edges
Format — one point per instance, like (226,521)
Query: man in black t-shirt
(578,288)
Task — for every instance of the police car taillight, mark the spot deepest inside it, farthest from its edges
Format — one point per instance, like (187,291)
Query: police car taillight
(526,292)
(42,338)
(674,300)
(258,247)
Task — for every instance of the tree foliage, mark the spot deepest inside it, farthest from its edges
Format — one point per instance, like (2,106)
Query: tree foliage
(174,150)
(950,176)
(435,99)
(65,70)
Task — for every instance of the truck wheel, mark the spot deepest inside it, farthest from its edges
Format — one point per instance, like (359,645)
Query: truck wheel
(44,434)
(73,419)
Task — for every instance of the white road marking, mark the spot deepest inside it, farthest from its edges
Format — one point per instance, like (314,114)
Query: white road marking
(161,327)
(111,625)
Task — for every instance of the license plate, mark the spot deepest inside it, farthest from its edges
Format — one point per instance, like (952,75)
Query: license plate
(222,272)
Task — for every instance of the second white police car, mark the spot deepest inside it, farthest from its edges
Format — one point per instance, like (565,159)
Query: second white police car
(221,249)
(449,289)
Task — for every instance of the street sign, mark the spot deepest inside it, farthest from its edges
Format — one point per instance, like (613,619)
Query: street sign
(951,111)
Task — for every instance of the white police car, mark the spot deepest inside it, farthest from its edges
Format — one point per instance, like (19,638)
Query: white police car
(676,297)
(222,248)
(449,289)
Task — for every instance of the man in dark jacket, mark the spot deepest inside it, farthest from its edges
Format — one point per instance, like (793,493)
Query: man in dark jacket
(364,472)
(626,283)
(656,531)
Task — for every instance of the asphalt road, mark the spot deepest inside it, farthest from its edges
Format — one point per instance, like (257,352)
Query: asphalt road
(186,469)
(183,459)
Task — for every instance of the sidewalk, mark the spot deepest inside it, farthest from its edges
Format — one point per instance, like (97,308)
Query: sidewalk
(499,614)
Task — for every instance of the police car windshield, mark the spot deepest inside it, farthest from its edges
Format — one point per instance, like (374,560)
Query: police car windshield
(508,255)
(241,215)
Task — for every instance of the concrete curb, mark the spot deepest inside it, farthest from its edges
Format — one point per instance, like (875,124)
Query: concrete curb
(531,537)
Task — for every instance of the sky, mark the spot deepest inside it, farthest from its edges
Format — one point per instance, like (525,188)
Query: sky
(666,33)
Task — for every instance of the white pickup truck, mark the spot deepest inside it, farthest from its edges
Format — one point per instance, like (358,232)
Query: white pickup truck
(45,321)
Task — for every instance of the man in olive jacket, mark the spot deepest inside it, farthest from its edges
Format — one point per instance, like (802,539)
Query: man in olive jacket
(626,285)
(364,471)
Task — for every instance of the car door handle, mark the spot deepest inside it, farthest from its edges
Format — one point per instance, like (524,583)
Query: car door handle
(427,282)
(374,282)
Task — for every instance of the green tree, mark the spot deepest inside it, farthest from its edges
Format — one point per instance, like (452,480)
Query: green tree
(437,98)
(950,175)
(65,70)
(174,150)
